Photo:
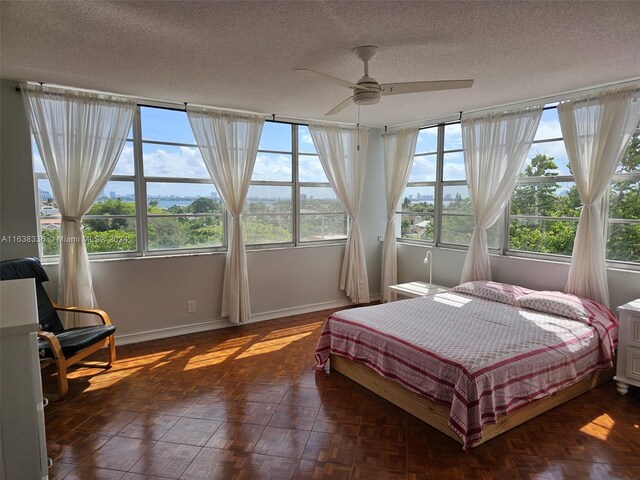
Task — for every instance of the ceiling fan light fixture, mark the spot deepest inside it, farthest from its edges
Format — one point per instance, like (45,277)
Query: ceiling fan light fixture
(368,92)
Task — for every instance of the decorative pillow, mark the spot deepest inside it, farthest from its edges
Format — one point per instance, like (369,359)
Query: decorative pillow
(497,292)
(557,303)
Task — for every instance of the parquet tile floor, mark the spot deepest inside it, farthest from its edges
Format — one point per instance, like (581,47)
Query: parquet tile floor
(246,403)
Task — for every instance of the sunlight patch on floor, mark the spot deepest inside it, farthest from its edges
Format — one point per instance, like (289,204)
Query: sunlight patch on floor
(109,379)
(600,427)
(285,332)
(211,358)
(272,345)
(141,360)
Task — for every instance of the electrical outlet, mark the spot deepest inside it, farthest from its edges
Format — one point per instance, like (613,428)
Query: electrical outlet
(191,306)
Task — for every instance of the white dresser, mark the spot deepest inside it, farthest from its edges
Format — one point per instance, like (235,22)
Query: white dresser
(628,369)
(23,451)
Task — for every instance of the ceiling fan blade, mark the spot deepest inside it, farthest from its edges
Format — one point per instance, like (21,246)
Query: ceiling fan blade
(341,106)
(337,80)
(416,87)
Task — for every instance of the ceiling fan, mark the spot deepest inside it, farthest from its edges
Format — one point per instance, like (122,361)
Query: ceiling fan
(367,91)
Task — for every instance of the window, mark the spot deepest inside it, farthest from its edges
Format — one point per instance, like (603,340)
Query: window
(545,206)
(417,210)
(183,209)
(109,226)
(623,236)
(543,214)
(268,211)
(160,198)
(322,217)
(438,184)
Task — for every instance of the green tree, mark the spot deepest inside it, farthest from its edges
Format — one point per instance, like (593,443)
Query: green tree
(109,207)
(204,205)
(624,203)
(536,198)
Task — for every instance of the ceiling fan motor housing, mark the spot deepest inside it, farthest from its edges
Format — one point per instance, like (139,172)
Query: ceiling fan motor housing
(369,94)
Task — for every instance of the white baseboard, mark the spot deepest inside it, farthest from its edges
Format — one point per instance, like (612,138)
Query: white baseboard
(287,312)
(212,324)
(216,323)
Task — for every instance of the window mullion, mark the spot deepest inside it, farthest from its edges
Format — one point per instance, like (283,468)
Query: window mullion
(438,191)
(140,185)
(296,185)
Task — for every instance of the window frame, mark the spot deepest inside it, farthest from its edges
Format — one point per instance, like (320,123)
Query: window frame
(140,184)
(503,249)
(280,183)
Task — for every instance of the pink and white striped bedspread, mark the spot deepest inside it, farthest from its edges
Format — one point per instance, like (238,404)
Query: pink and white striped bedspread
(481,357)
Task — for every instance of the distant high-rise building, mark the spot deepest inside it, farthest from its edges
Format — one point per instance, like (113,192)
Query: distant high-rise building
(112,194)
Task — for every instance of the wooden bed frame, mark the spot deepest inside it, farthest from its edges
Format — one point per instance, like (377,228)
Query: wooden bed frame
(437,415)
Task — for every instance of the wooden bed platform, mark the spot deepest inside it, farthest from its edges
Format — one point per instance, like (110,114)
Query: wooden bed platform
(437,415)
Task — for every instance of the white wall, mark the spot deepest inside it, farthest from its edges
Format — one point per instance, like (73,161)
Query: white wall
(624,285)
(17,198)
(146,297)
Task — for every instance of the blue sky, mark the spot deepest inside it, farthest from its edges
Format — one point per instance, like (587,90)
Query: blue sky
(186,161)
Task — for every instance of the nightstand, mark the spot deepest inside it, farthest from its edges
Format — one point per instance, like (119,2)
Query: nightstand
(417,289)
(628,369)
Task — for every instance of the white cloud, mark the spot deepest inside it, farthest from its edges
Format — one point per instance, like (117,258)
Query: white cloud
(125,164)
(272,167)
(454,171)
(423,169)
(548,129)
(306,138)
(181,162)
(427,140)
(310,169)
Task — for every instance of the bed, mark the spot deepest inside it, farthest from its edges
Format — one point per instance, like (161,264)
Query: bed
(477,360)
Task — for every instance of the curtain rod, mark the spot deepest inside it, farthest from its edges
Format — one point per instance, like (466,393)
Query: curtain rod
(559,97)
(523,103)
(150,102)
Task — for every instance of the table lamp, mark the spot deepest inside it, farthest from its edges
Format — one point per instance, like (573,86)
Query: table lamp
(428,259)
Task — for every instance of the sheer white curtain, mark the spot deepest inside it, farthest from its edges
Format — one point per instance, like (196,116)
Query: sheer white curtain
(399,150)
(495,148)
(596,132)
(343,154)
(80,136)
(229,143)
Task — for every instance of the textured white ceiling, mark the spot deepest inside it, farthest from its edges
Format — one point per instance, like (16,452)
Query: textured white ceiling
(240,54)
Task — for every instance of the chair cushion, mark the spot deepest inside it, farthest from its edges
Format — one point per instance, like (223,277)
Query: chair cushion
(75,339)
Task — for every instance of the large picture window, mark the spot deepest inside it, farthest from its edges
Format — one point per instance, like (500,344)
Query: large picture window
(542,217)
(160,198)
(545,206)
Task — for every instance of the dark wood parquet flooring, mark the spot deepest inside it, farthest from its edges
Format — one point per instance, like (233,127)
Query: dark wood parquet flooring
(246,403)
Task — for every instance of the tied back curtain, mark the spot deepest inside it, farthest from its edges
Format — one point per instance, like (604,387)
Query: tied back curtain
(80,136)
(229,143)
(399,150)
(596,132)
(343,155)
(495,148)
